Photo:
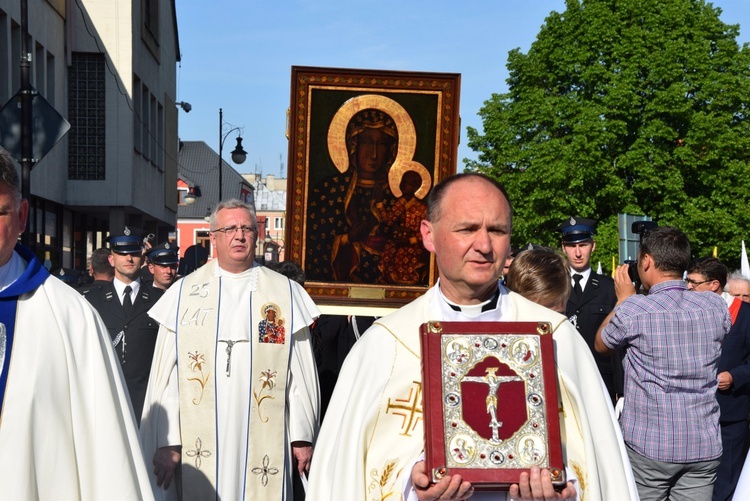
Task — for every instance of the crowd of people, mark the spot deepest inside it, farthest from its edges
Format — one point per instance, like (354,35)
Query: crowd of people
(145,386)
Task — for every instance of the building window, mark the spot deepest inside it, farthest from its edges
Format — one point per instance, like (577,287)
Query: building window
(51,79)
(151,17)
(203,239)
(278,223)
(145,101)
(5,41)
(152,129)
(15,56)
(39,67)
(86,100)
(159,155)
(137,126)
(150,26)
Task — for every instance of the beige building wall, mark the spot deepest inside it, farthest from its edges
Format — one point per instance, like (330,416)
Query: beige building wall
(138,172)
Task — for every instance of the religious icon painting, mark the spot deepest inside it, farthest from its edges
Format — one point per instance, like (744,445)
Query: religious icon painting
(490,401)
(365,149)
(271,327)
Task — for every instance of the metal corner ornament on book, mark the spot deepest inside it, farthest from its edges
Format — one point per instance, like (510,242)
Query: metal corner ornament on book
(490,401)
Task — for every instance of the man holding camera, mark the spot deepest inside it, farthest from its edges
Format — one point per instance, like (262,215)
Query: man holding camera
(593,296)
(123,305)
(672,341)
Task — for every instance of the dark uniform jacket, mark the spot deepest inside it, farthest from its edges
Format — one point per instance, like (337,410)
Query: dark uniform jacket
(587,313)
(333,336)
(735,358)
(135,348)
(96,284)
(734,404)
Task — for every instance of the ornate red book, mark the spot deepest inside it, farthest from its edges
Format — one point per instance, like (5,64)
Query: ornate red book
(490,401)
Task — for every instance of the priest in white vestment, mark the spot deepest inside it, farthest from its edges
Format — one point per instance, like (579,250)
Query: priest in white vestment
(365,451)
(237,407)
(67,430)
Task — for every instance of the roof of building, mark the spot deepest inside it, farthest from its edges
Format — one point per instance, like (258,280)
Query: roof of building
(199,166)
(268,200)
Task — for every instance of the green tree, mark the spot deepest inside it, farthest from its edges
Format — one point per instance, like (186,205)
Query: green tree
(635,106)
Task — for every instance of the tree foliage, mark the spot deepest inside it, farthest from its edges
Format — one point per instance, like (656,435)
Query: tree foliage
(634,106)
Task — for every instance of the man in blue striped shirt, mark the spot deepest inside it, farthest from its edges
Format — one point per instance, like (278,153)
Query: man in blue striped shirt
(672,340)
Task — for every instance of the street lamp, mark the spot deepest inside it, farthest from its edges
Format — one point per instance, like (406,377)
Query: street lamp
(190,198)
(238,155)
(192,195)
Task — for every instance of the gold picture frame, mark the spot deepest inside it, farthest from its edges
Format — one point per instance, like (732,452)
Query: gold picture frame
(365,149)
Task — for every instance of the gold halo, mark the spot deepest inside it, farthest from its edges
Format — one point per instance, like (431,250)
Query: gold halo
(397,172)
(270,306)
(407,136)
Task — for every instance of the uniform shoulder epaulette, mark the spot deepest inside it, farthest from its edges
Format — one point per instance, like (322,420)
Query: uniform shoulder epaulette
(89,289)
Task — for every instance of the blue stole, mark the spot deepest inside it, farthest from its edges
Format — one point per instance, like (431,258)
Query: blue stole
(34,276)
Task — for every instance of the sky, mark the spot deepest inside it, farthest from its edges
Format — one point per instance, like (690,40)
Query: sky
(238,55)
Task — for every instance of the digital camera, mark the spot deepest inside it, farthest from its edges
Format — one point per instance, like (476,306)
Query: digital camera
(640,228)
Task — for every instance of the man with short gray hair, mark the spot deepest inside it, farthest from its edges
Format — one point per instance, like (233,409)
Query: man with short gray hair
(739,286)
(233,394)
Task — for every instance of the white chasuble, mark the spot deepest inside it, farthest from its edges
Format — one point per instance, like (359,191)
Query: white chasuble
(67,429)
(366,450)
(243,351)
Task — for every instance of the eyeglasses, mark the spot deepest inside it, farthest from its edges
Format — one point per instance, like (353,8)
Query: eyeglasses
(696,283)
(230,231)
